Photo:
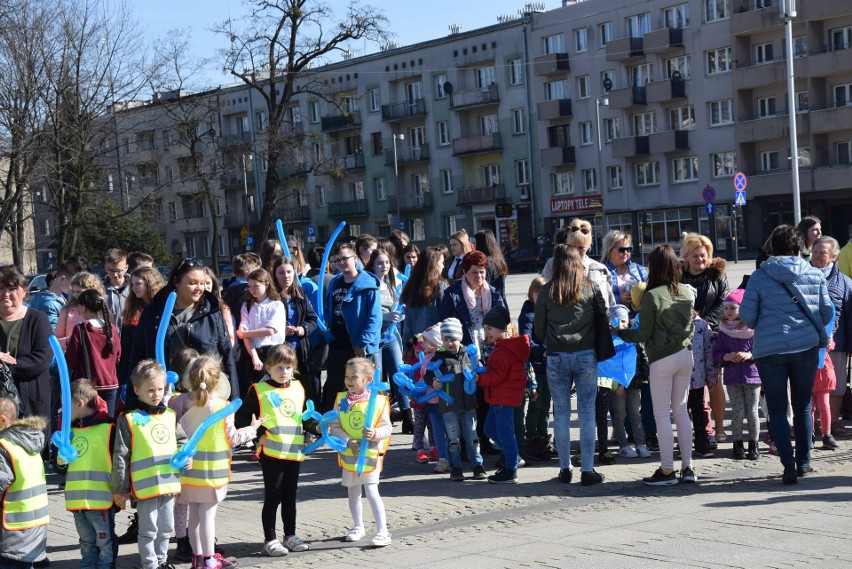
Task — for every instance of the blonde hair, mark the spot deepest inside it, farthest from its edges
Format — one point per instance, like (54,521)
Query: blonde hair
(281,354)
(462,237)
(203,376)
(361,367)
(86,281)
(146,370)
(8,409)
(535,286)
(694,241)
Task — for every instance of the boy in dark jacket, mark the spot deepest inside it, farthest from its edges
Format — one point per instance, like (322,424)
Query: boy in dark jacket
(459,416)
(504,382)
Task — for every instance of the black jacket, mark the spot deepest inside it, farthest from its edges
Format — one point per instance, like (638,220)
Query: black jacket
(454,364)
(307,318)
(712,286)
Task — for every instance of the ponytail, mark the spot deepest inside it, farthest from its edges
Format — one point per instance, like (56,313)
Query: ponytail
(91,300)
(203,374)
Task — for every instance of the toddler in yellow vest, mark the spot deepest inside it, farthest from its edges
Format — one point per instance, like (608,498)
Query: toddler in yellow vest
(145,440)
(351,427)
(23,532)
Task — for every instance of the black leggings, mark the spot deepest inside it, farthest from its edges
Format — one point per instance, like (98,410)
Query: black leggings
(280,480)
(601,412)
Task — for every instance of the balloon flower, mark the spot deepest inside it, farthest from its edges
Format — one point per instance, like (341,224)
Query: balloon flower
(470,375)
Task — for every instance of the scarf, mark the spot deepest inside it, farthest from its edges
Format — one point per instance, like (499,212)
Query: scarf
(736,329)
(470,296)
(352,398)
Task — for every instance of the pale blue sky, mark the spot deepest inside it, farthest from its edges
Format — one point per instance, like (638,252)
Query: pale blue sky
(411,21)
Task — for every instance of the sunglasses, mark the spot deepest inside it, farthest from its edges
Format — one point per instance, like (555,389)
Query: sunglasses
(187,264)
(583,230)
(625,249)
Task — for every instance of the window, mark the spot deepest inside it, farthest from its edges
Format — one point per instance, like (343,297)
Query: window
(320,193)
(381,192)
(644,124)
(724,164)
(420,183)
(610,128)
(373,98)
(605,33)
(443,133)
(562,183)
(581,39)
(680,64)
(647,173)
(844,153)
(190,247)
(685,169)
(802,103)
(355,230)
(763,53)
(378,144)
(676,16)
(614,177)
(418,229)
(485,76)
(583,87)
(800,47)
(769,161)
(314,111)
(349,104)
(586,136)
(172,211)
(220,245)
(522,172)
(559,136)
(205,246)
(516,71)
(556,89)
(491,175)
(519,120)
(641,74)
(639,25)
(590,181)
(357,189)
(449,225)
(719,60)
(721,112)
(608,74)
(841,38)
(243,123)
(766,107)
(553,44)
(260,121)
(487,124)
(715,10)
(447,182)
(45,227)
(440,80)
(843,95)
(318,153)
(417,136)
(805,160)
(682,118)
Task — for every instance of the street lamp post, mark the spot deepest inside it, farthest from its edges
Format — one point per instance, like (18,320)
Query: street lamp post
(788,12)
(598,102)
(396,137)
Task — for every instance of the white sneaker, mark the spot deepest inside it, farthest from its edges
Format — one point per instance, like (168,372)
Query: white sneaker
(381,540)
(643,451)
(275,549)
(627,452)
(356,534)
(295,543)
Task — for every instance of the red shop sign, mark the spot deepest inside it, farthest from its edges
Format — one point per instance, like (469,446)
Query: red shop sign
(575,205)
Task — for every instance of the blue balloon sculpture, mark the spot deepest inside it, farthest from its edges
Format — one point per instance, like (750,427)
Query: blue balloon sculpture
(435,367)
(160,345)
(375,387)
(470,375)
(62,437)
(323,267)
(188,450)
(335,443)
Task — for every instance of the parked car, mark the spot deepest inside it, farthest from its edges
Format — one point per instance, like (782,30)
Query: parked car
(37,283)
(526,260)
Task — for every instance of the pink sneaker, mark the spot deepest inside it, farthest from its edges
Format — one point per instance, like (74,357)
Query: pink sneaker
(225,563)
(433,454)
(773,450)
(422,456)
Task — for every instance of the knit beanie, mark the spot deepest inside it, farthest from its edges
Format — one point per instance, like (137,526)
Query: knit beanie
(433,334)
(736,296)
(498,317)
(452,328)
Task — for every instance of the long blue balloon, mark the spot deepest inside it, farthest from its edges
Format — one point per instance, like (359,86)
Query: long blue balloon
(188,450)
(282,238)
(160,345)
(335,443)
(62,437)
(376,386)
(322,268)
(397,305)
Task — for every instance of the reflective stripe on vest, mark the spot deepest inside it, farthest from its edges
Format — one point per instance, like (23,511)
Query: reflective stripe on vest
(25,501)
(352,422)
(154,443)
(87,483)
(211,465)
(285,439)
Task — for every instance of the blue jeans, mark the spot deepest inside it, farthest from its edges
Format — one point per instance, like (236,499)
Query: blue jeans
(581,370)
(500,426)
(775,370)
(437,428)
(391,360)
(462,424)
(110,396)
(96,530)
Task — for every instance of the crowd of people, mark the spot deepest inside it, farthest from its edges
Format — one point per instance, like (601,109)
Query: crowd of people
(299,340)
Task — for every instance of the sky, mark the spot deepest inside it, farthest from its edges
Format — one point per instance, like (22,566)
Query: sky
(411,21)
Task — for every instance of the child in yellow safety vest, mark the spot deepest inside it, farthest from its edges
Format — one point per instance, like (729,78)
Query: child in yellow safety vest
(23,531)
(145,440)
(206,485)
(352,405)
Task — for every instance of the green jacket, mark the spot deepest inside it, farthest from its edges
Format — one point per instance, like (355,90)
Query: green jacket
(568,328)
(665,322)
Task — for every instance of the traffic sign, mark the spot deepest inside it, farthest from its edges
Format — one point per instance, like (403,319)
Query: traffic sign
(741,198)
(710,207)
(709,194)
(249,241)
(311,233)
(740,182)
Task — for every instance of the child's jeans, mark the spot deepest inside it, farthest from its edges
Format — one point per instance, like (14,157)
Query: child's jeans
(462,424)
(96,530)
(156,525)
(500,427)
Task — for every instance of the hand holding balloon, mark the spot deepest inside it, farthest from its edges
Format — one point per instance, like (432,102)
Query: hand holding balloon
(62,437)
(335,443)
(183,457)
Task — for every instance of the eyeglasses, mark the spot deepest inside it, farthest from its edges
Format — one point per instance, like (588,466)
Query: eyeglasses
(583,230)
(625,249)
(341,260)
(187,264)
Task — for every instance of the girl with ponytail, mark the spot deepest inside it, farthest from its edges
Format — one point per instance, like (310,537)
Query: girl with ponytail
(95,347)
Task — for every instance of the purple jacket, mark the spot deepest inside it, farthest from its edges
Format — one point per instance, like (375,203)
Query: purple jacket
(736,373)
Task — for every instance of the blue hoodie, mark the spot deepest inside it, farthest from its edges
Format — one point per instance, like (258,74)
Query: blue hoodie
(362,311)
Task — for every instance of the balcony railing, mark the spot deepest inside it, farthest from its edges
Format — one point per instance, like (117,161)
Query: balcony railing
(471,144)
(551,63)
(231,180)
(491,193)
(624,48)
(341,122)
(662,40)
(475,97)
(630,146)
(347,162)
(404,110)
(411,202)
(235,140)
(348,208)
(554,109)
(627,97)
(406,154)
(558,156)
(298,213)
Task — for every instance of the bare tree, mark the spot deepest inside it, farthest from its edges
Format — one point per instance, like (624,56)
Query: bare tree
(272,50)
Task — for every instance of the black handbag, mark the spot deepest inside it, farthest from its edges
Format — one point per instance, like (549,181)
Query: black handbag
(604,348)
(8,389)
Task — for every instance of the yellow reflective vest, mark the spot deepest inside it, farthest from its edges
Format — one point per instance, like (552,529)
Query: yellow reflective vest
(87,482)
(211,465)
(352,421)
(25,501)
(152,446)
(285,439)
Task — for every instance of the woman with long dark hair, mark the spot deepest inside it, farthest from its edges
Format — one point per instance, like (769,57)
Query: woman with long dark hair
(495,273)
(422,293)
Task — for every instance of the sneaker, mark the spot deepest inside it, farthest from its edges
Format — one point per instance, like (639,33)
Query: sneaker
(606,458)
(721,437)
(712,442)
(225,563)
(456,475)
(442,467)
(653,443)
(565,475)
(688,475)
(643,451)
(703,452)
(627,452)
(828,442)
(184,550)
(591,478)
(274,548)
(422,456)
(356,534)
(521,462)
(773,450)
(803,471)
(504,476)
(479,472)
(165,565)
(433,454)
(381,540)
(659,478)
(790,475)
(132,533)
(295,543)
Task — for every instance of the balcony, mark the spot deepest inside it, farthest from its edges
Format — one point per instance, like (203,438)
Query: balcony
(624,48)
(551,63)
(236,220)
(348,208)
(663,40)
(558,156)
(834,177)
(630,146)
(240,140)
(753,75)
(476,144)
(475,97)
(662,91)
(232,180)
(627,97)
(493,193)
(298,213)
(411,202)
(347,162)
(404,110)
(776,182)
(195,225)
(829,120)
(823,9)
(668,141)
(293,170)
(554,109)
(347,121)
(407,155)
(769,128)
(751,19)
(293,128)
(825,63)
